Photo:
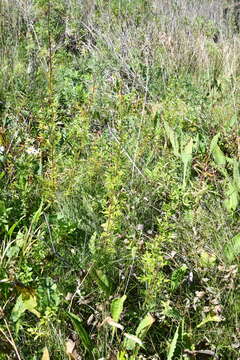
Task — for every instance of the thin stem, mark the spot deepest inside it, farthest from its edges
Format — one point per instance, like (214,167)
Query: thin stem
(50,70)
(10,339)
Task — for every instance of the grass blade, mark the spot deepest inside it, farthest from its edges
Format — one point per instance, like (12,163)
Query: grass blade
(82,333)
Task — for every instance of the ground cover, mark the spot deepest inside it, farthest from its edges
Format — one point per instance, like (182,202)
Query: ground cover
(119,179)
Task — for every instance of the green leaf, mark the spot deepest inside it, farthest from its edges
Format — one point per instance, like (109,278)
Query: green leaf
(144,326)
(178,276)
(92,243)
(232,121)
(209,318)
(232,249)
(173,139)
(207,260)
(102,281)
(82,333)
(36,215)
(173,345)
(22,304)
(186,157)
(232,198)
(117,307)
(170,311)
(218,156)
(236,174)
(12,228)
(214,142)
(132,340)
(18,309)
(30,303)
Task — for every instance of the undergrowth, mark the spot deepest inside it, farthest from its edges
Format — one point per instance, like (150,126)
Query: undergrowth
(120,182)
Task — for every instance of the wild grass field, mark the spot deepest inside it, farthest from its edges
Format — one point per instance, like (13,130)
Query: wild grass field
(119,180)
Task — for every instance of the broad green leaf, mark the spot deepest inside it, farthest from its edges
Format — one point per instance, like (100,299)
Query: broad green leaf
(186,154)
(144,326)
(117,307)
(209,318)
(18,309)
(45,355)
(232,249)
(214,142)
(218,156)
(173,139)
(30,303)
(22,304)
(232,198)
(186,157)
(12,251)
(173,345)
(82,333)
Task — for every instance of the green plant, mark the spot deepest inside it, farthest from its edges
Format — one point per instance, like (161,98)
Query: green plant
(119,180)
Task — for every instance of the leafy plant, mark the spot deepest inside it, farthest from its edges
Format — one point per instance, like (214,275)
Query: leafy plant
(119,180)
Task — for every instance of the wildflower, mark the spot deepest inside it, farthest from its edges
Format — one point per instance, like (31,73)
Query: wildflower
(2,149)
(32,151)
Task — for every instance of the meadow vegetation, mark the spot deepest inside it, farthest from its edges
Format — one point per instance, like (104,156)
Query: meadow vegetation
(119,180)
